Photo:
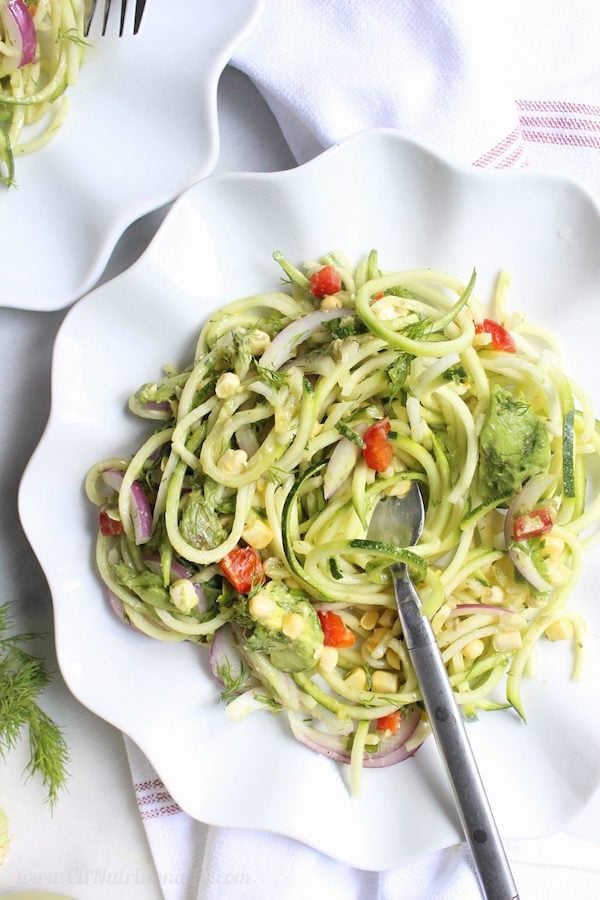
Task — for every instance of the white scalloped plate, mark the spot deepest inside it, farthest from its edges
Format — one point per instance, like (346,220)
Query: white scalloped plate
(142,127)
(375,190)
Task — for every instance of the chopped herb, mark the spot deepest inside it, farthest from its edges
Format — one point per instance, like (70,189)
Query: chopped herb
(418,331)
(233,682)
(269,703)
(349,326)
(456,373)
(350,435)
(397,374)
(271,376)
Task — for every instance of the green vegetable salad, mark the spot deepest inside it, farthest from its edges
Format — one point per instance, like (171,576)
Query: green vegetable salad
(241,522)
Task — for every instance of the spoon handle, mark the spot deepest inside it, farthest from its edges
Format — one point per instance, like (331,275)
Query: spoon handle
(495,878)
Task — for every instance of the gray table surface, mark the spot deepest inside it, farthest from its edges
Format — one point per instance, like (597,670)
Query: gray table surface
(96,827)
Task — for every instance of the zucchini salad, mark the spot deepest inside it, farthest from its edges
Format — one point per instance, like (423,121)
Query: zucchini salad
(41,50)
(241,522)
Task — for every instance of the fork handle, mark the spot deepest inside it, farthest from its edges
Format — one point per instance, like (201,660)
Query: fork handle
(494,874)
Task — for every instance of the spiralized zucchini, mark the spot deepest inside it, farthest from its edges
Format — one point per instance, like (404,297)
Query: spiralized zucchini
(33,101)
(268,447)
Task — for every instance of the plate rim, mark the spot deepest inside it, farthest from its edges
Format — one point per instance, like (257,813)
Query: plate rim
(172,215)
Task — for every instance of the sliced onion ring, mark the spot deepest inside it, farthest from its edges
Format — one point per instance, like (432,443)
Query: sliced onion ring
(525,501)
(141,513)
(20,30)
(526,566)
(224,653)
(392,750)
(283,345)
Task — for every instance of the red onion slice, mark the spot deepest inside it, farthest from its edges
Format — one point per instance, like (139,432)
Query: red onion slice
(20,30)
(177,569)
(391,750)
(225,656)
(283,345)
(141,511)
(141,514)
(116,604)
(113,478)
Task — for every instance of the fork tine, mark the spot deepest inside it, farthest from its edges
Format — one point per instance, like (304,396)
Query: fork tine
(92,10)
(105,20)
(137,21)
(139,12)
(123,11)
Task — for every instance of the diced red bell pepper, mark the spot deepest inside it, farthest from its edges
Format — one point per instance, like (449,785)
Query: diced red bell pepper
(532,524)
(108,525)
(242,567)
(335,632)
(391,722)
(501,339)
(325,281)
(377,452)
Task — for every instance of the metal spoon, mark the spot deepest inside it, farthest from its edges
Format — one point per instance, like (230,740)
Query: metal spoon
(400,521)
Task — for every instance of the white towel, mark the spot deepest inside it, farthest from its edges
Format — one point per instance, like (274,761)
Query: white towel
(498,84)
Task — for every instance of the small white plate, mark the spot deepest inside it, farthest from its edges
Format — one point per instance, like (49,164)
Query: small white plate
(375,190)
(142,127)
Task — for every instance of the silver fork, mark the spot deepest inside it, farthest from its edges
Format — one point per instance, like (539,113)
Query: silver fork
(137,16)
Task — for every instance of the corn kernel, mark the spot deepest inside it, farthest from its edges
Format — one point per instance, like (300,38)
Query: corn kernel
(233,461)
(384,682)
(257,534)
(553,546)
(183,595)
(357,679)
(328,659)
(331,301)
(388,617)
(293,625)
(514,621)
(374,645)
(227,385)
(369,619)
(561,630)
(474,649)
(261,606)
(392,659)
(493,595)
(507,640)
(559,573)
(259,341)
(400,489)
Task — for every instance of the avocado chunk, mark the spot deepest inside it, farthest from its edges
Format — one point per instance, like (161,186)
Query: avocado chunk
(287,628)
(199,524)
(513,445)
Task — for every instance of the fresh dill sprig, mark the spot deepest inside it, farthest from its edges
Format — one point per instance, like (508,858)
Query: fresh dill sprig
(22,679)
(72,35)
(271,377)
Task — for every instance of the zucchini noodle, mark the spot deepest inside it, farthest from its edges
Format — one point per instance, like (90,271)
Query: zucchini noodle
(41,50)
(242,521)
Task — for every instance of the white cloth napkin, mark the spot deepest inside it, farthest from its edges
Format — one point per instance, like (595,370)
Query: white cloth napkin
(495,85)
